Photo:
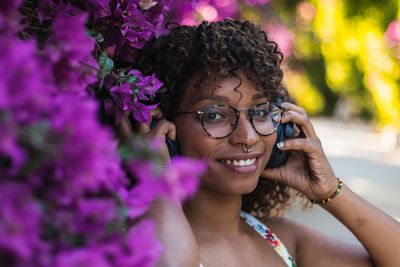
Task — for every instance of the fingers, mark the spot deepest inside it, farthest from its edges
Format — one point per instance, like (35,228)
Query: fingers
(157,114)
(124,128)
(300,118)
(163,128)
(290,106)
(305,144)
(143,128)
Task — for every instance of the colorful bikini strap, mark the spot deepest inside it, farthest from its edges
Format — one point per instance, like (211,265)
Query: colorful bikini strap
(271,238)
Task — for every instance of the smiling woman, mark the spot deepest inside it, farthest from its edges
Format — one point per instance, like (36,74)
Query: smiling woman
(219,101)
(225,151)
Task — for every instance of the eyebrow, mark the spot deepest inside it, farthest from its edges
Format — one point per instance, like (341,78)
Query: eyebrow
(212,97)
(259,96)
(223,98)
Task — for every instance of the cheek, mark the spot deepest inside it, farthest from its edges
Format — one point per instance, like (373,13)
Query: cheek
(269,143)
(193,141)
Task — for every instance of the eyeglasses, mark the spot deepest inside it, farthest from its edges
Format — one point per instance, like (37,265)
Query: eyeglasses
(219,121)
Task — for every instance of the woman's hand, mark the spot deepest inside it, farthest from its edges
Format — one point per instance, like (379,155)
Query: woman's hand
(159,132)
(307,169)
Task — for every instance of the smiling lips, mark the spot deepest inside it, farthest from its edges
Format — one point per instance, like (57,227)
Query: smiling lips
(241,162)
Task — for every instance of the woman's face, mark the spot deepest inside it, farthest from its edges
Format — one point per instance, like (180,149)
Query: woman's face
(224,155)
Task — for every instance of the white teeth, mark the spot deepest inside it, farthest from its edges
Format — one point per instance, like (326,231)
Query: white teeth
(241,162)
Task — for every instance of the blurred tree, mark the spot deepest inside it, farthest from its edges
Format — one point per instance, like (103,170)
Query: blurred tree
(341,56)
(340,51)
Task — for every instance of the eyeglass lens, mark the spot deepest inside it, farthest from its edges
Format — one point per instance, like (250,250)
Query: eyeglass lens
(221,120)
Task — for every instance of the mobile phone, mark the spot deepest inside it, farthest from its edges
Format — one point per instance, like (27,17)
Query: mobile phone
(279,157)
(284,132)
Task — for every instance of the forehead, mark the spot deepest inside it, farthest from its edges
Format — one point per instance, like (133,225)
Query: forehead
(230,90)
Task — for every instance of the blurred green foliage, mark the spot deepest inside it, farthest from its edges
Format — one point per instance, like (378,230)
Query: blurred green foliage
(339,62)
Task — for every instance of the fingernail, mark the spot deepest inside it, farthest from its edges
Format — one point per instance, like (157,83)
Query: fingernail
(280,145)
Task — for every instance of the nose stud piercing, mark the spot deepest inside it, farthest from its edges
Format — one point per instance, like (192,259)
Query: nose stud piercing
(247,149)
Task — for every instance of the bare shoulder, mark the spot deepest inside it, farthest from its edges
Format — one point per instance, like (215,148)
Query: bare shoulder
(304,243)
(286,230)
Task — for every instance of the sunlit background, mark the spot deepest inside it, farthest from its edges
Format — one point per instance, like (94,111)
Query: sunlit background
(342,65)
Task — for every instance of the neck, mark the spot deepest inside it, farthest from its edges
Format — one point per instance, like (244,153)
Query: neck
(212,213)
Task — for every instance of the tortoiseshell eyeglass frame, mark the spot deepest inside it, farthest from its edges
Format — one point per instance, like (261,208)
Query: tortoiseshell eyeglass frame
(200,115)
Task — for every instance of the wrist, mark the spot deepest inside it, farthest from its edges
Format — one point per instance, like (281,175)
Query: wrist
(331,196)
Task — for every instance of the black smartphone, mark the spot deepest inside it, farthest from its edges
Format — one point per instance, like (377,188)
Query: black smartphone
(284,132)
(173,146)
(279,157)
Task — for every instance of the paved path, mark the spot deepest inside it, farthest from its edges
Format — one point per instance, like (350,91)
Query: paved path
(363,159)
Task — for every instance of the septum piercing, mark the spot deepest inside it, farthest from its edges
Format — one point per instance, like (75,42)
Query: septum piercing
(247,150)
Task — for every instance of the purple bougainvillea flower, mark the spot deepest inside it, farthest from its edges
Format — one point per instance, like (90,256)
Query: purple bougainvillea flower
(9,16)
(177,181)
(181,177)
(123,100)
(86,159)
(127,51)
(123,96)
(64,172)
(23,89)
(69,53)
(7,6)
(19,236)
(98,8)
(49,9)
(136,73)
(142,112)
(149,186)
(138,28)
(141,248)
(127,100)
(93,215)
(86,256)
(68,32)
(126,13)
(148,85)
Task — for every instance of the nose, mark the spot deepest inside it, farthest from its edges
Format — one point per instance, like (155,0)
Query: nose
(244,132)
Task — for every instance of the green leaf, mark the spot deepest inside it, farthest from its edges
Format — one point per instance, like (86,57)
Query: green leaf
(131,79)
(98,36)
(90,33)
(106,64)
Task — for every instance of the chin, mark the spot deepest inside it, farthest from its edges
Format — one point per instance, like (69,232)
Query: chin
(230,185)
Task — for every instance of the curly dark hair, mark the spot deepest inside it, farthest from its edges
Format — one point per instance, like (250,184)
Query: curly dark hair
(219,49)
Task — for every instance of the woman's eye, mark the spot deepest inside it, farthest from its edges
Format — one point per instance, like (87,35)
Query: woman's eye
(260,113)
(213,116)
